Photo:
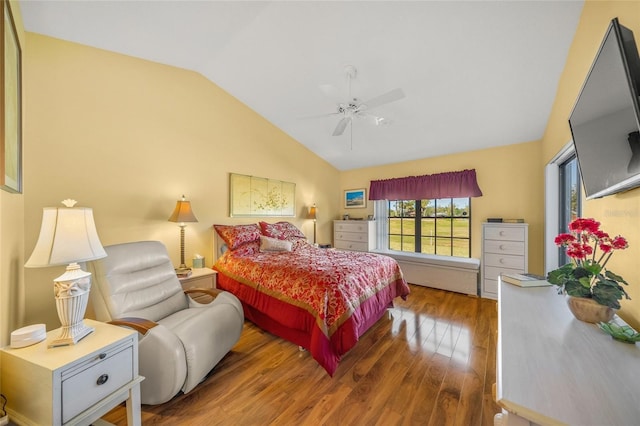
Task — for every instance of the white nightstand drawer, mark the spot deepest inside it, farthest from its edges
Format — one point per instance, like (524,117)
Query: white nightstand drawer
(504,247)
(504,261)
(104,374)
(351,245)
(504,233)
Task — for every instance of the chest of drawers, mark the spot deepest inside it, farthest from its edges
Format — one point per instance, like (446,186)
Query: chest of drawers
(358,235)
(504,249)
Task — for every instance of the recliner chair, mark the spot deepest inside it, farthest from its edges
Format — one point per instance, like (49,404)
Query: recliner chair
(181,340)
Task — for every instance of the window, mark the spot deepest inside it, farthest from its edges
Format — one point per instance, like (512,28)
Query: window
(439,226)
(569,198)
(563,202)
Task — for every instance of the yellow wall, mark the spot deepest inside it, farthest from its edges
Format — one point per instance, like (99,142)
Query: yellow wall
(619,214)
(12,243)
(510,178)
(128,137)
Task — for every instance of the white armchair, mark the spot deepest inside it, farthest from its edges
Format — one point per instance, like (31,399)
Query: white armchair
(181,340)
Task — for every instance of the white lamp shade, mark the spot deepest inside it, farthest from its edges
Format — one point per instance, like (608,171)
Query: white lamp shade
(67,235)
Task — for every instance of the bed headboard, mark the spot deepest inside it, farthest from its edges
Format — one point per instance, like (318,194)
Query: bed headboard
(219,246)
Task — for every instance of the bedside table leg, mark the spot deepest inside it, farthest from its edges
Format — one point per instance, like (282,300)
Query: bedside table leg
(133,406)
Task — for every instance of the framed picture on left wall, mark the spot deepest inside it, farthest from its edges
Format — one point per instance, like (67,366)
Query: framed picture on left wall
(11,105)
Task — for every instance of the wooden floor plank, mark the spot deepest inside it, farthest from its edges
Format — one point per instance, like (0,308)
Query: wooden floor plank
(431,361)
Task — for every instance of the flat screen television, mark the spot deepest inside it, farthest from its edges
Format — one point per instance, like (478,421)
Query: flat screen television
(605,121)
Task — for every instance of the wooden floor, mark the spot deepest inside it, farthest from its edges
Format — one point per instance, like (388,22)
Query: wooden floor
(431,362)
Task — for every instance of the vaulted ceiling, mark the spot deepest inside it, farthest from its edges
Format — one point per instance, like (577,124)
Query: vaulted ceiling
(475,74)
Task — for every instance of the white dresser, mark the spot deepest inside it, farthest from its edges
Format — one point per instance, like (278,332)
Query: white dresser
(504,249)
(358,235)
(555,370)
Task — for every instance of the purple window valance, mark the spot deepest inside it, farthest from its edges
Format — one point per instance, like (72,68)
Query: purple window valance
(461,184)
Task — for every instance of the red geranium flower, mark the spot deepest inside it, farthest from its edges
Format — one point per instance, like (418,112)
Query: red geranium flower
(589,248)
(619,243)
(583,240)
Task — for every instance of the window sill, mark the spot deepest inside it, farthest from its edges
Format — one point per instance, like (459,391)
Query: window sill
(433,259)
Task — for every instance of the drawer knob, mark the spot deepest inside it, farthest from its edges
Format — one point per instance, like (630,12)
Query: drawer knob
(102,355)
(501,233)
(501,246)
(102,379)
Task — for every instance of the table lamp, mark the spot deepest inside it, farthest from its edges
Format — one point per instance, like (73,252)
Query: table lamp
(182,214)
(68,236)
(312,215)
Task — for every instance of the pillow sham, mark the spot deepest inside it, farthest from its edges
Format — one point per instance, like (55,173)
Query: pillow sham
(247,249)
(274,244)
(281,230)
(237,235)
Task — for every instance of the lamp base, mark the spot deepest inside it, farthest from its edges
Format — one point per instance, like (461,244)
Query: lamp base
(72,335)
(72,296)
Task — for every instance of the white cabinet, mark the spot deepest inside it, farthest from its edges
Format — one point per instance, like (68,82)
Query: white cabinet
(74,384)
(555,370)
(504,249)
(358,235)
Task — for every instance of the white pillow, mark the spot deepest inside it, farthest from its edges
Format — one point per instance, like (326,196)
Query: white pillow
(274,244)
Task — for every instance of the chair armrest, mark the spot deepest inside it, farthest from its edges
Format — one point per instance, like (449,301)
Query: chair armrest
(140,325)
(213,292)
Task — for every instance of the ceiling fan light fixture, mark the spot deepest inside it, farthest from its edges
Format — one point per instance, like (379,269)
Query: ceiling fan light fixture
(350,71)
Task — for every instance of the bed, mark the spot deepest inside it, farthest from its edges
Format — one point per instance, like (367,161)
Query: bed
(320,299)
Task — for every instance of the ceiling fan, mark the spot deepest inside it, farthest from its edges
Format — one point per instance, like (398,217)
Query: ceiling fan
(355,108)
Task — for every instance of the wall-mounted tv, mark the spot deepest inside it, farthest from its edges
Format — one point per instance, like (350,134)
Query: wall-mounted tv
(605,121)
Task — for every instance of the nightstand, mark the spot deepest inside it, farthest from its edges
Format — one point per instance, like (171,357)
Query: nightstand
(200,278)
(74,384)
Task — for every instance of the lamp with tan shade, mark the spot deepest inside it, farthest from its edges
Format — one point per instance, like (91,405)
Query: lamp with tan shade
(181,215)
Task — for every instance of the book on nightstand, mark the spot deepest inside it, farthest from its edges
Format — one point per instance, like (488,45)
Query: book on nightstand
(183,273)
(525,280)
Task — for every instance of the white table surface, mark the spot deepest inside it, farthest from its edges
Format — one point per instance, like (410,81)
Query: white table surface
(555,369)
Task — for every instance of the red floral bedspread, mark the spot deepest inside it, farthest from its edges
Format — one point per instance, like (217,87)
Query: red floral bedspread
(337,288)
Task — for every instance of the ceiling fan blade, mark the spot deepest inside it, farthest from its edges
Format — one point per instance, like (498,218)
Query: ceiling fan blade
(392,96)
(342,124)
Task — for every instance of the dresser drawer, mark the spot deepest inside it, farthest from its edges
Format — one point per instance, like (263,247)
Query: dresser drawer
(503,261)
(352,226)
(490,286)
(351,245)
(350,236)
(91,380)
(504,233)
(504,247)
(493,272)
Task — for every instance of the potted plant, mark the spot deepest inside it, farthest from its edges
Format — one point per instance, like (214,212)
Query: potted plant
(593,291)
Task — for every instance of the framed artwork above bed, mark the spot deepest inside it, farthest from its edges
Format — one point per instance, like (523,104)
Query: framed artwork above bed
(255,196)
